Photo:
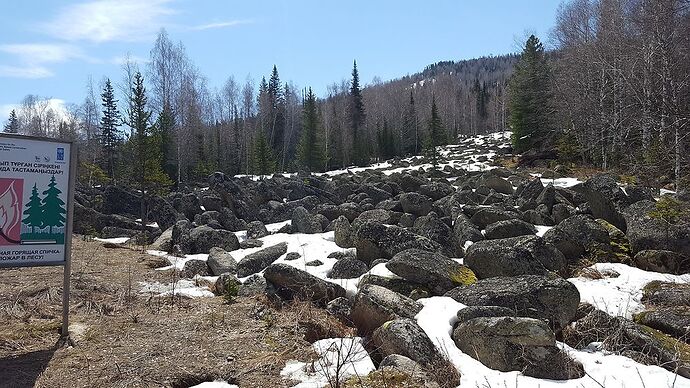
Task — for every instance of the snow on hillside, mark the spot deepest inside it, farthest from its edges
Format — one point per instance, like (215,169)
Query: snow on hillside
(618,293)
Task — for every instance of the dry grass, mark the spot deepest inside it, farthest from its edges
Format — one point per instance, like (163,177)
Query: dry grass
(128,339)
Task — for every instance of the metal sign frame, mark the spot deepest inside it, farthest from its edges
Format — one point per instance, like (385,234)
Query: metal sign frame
(69,227)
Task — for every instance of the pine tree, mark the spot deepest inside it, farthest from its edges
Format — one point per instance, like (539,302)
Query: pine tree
(145,166)
(33,212)
(110,135)
(310,151)
(436,136)
(529,98)
(410,139)
(53,208)
(263,161)
(12,125)
(357,116)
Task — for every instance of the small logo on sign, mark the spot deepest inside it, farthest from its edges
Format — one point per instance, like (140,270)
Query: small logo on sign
(60,153)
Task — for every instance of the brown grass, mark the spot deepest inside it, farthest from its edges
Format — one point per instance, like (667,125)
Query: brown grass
(129,339)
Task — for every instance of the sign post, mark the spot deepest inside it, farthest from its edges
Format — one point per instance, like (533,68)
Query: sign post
(37,206)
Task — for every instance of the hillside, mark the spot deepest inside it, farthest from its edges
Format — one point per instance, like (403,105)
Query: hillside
(468,274)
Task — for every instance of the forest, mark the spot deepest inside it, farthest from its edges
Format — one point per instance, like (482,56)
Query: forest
(611,90)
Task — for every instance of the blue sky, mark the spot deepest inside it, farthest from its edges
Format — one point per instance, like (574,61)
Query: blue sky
(49,48)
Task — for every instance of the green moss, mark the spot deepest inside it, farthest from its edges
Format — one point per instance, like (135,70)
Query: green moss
(670,210)
(639,317)
(669,343)
(387,378)
(463,276)
(652,287)
(619,251)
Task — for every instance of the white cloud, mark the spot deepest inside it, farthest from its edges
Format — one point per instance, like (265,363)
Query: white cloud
(36,53)
(59,106)
(30,72)
(109,20)
(231,23)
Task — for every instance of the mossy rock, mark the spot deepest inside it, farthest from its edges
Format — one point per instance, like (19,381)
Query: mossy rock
(616,251)
(463,276)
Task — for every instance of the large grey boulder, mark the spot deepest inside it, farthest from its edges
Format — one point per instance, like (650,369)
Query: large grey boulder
(406,338)
(497,183)
(436,190)
(220,262)
(342,232)
(464,230)
(585,230)
(509,228)
(348,268)
(516,344)
(415,203)
(291,282)
(203,238)
(489,215)
(304,222)
(433,228)
(513,256)
(600,192)
(257,261)
(673,320)
(649,233)
(194,267)
(434,271)
(375,305)
(256,230)
(569,246)
(374,241)
(541,297)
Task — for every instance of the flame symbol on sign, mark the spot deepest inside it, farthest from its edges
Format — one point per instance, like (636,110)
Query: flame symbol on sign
(9,211)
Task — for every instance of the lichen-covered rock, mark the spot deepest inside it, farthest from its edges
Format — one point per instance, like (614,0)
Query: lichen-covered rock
(541,297)
(415,203)
(434,271)
(303,222)
(406,338)
(203,238)
(513,256)
(662,261)
(509,228)
(291,282)
(348,268)
(220,262)
(257,261)
(256,230)
(489,215)
(516,344)
(374,240)
(375,305)
(195,267)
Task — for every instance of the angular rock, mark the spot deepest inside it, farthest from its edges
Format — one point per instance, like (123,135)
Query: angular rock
(220,262)
(648,233)
(375,305)
(406,338)
(195,267)
(203,238)
(509,228)
(256,230)
(489,215)
(348,268)
(516,344)
(294,283)
(496,183)
(257,261)
(434,271)
(662,261)
(303,222)
(375,241)
(415,203)
(540,297)
(513,256)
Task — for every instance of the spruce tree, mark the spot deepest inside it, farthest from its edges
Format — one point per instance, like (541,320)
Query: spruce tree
(529,98)
(145,165)
(52,207)
(277,112)
(310,152)
(386,141)
(357,116)
(33,212)
(436,135)
(263,160)
(12,125)
(110,135)
(164,128)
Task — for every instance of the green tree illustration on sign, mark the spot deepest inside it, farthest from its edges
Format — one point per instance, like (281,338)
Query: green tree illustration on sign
(53,207)
(33,212)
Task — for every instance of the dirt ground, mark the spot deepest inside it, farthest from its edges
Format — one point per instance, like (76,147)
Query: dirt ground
(127,339)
